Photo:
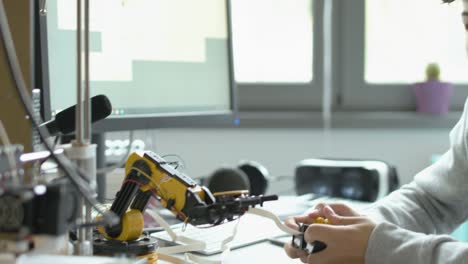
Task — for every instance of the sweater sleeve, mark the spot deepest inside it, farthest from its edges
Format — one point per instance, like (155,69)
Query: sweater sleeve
(436,202)
(389,243)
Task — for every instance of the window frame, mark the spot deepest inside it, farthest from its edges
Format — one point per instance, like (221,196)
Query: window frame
(350,90)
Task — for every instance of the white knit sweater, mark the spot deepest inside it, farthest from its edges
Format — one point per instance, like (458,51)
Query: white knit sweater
(412,220)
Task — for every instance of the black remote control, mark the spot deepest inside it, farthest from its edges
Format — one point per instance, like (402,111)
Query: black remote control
(298,241)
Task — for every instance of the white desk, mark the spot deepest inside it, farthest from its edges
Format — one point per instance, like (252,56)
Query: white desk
(264,252)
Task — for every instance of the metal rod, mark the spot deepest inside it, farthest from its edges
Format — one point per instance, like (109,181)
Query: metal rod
(81,232)
(327,64)
(87,109)
(43,9)
(79,110)
(87,95)
(79,95)
(81,243)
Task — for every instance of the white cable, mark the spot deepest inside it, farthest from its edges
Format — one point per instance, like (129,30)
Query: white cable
(9,151)
(225,249)
(171,259)
(189,245)
(163,223)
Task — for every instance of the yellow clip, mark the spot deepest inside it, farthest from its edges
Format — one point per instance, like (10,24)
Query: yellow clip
(321,220)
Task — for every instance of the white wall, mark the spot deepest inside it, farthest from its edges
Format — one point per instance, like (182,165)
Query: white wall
(203,150)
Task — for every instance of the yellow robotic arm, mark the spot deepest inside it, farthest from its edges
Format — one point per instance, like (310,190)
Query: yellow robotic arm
(147,174)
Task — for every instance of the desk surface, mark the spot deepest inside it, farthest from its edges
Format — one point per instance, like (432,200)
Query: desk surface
(264,252)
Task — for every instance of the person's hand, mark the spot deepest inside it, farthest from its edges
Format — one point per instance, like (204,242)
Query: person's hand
(320,210)
(346,238)
(293,222)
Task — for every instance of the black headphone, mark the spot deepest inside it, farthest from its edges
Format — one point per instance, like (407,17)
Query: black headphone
(248,175)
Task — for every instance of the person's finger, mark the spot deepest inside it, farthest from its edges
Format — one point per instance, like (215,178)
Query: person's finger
(336,219)
(292,222)
(319,206)
(331,215)
(319,232)
(315,213)
(343,209)
(338,208)
(318,210)
(302,219)
(293,252)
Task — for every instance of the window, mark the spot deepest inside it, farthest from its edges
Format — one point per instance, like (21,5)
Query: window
(379,49)
(432,33)
(385,45)
(273,47)
(272,41)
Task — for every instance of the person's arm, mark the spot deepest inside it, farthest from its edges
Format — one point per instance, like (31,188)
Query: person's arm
(389,243)
(437,200)
(356,239)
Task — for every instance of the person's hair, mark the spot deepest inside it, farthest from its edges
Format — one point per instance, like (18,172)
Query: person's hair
(448,1)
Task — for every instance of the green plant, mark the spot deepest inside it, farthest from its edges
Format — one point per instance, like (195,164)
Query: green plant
(432,72)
